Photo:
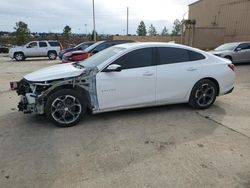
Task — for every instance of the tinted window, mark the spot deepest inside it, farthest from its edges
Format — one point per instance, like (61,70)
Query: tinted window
(42,44)
(244,46)
(177,55)
(172,55)
(102,47)
(194,56)
(54,43)
(136,59)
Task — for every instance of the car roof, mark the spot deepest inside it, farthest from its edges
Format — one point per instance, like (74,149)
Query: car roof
(152,44)
(237,43)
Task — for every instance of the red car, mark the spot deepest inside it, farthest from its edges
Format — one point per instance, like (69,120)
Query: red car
(91,50)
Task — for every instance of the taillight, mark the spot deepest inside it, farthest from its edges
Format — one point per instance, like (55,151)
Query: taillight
(231,66)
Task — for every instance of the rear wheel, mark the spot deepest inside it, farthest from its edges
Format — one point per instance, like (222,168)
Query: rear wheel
(19,56)
(52,55)
(65,108)
(203,94)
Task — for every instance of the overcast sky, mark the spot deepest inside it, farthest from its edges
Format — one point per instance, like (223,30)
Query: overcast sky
(53,15)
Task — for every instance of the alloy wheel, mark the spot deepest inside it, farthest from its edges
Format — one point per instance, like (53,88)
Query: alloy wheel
(66,109)
(205,95)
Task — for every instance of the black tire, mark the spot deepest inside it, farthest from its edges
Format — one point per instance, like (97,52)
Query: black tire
(203,94)
(52,55)
(19,56)
(62,104)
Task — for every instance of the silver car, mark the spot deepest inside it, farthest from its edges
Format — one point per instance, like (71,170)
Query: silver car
(237,52)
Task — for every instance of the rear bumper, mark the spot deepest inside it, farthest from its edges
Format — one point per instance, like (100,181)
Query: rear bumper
(230,91)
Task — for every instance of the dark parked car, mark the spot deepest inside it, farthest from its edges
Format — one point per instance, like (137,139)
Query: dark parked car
(4,49)
(81,46)
(91,50)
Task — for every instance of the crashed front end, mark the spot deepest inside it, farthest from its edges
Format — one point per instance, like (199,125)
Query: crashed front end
(33,95)
(30,94)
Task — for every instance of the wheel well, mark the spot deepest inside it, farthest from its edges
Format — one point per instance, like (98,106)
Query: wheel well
(214,81)
(52,51)
(19,52)
(83,92)
(228,57)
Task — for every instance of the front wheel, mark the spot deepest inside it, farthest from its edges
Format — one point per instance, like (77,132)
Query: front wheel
(203,94)
(19,56)
(65,108)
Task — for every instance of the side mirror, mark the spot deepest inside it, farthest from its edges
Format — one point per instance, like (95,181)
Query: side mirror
(113,68)
(238,49)
(28,46)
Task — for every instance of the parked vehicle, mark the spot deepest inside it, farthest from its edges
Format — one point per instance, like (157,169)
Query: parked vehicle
(126,76)
(48,49)
(237,52)
(81,46)
(80,55)
(4,49)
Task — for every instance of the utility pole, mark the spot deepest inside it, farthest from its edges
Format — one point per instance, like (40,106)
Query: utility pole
(127,19)
(93,1)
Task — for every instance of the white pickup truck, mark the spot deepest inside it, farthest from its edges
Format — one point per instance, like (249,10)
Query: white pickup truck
(48,49)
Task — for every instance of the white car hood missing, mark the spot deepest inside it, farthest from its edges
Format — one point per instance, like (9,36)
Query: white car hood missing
(54,72)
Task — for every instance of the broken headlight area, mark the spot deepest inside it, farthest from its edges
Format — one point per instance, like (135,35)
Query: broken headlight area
(30,92)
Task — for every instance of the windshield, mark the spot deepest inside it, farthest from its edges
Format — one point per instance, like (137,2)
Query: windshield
(229,46)
(100,57)
(90,48)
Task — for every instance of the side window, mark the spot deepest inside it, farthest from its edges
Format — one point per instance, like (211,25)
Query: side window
(42,44)
(244,46)
(168,55)
(54,44)
(33,44)
(136,59)
(194,56)
(102,47)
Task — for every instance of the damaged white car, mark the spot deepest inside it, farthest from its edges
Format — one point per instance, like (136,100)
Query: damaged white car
(123,77)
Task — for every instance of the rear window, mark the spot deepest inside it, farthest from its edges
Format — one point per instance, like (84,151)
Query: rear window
(42,44)
(54,44)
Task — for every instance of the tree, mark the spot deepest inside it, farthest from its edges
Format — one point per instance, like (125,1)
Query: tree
(164,31)
(67,31)
(177,28)
(152,31)
(21,32)
(141,30)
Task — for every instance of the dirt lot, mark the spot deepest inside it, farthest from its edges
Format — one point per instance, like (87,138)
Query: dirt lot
(170,146)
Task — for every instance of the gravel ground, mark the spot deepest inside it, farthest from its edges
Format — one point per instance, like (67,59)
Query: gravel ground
(169,146)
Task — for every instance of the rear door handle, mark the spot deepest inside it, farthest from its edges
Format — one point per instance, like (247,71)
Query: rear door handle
(191,69)
(148,74)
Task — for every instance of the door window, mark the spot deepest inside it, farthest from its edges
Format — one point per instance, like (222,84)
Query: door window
(244,46)
(169,55)
(33,44)
(136,59)
(42,44)
(102,47)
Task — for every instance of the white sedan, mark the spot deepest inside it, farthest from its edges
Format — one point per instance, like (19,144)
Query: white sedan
(126,76)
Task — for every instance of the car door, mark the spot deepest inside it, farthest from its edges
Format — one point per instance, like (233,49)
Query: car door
(42,49)
(133,86)
(242,53)
(31,49)
(177,71)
